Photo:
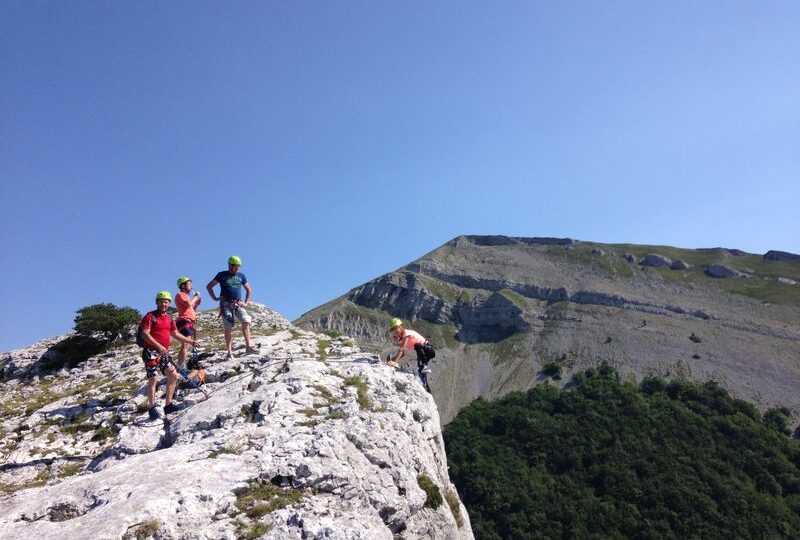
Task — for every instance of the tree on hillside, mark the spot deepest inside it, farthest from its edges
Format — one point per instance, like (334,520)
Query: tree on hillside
(608,459)
(107,319)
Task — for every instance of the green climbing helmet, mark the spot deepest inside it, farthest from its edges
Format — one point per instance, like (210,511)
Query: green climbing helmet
(182,280)
(394,322)
(164,295)
(234,259)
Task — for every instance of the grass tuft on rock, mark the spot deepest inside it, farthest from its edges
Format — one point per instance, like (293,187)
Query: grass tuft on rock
(433,497)
(455,508)
(361,392)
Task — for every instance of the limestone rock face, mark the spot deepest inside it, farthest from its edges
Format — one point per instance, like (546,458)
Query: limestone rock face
(309,438)
(498,309)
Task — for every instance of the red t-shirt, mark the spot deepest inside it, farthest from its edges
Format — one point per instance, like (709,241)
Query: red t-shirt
(162,327)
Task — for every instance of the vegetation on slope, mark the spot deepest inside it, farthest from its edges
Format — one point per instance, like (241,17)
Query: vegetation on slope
(609,460)
(762,282)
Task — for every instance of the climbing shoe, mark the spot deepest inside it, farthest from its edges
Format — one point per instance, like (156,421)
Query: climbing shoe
(153,413)
(171,408)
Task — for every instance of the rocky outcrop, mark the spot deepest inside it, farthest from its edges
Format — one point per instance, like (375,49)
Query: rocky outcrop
(307,439)
(403,295)
(722,271)
(656,261)
(678,264)
(499,240)
(773,255)
(488,320)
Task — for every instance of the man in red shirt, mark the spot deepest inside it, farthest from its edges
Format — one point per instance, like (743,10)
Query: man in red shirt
(157,330)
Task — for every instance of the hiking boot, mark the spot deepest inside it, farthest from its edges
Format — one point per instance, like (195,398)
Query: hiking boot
(229,356)
(171,408)
(251,350)
(153,413)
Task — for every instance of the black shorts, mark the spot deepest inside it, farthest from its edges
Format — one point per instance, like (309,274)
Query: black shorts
(185,327)
(425,352)
(154,361)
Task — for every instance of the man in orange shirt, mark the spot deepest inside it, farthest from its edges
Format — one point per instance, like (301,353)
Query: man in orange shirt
(186,304)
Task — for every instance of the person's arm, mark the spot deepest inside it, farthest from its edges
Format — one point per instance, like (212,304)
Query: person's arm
(400,352)
(195,301)
(210,289)
(249,293)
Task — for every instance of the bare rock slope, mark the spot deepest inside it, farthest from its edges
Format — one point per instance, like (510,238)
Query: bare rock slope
(307,439)
(508,313)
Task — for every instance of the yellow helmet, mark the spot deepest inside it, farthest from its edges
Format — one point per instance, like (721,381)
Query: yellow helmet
(164,295)
(394,322)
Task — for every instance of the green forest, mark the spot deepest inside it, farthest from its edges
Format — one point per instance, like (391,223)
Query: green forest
(607,459)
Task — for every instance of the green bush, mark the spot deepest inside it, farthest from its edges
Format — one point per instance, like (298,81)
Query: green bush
(106,319)
(552,369)
(70,352)
(778,419)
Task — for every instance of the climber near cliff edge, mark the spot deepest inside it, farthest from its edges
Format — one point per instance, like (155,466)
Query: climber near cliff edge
(408,339)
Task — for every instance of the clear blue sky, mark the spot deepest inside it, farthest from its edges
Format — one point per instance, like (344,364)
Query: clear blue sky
(329,142)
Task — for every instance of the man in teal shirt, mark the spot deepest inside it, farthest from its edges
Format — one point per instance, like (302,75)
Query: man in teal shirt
(231,283)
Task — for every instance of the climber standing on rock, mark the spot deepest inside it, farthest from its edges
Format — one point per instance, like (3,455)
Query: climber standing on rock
(409,339)
(186,304)
(231,283)
(157,328)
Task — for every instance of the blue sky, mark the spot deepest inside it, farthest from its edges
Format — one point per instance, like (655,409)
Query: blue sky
(329,142)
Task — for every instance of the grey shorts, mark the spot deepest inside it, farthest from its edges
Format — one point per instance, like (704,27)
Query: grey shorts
(229,311)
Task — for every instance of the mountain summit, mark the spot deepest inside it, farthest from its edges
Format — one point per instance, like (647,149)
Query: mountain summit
(307,439)
(507,313)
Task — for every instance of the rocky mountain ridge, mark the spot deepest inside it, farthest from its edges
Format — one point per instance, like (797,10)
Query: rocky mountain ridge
(310,438)
(505,312)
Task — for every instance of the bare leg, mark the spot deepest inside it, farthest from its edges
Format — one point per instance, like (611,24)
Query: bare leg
(246,332)
(151,391)
(229,339)
(182,355)
(172,381)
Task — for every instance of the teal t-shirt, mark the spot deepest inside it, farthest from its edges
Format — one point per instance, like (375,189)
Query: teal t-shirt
(230,285)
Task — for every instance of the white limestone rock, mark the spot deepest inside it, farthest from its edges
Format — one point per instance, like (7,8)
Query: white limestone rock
(340,444)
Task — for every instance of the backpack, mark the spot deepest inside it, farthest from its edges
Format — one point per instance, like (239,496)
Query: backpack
(139,334)
(194,379)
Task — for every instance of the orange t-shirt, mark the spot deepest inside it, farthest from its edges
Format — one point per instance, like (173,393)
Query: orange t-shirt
(411,338)
(184,304)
